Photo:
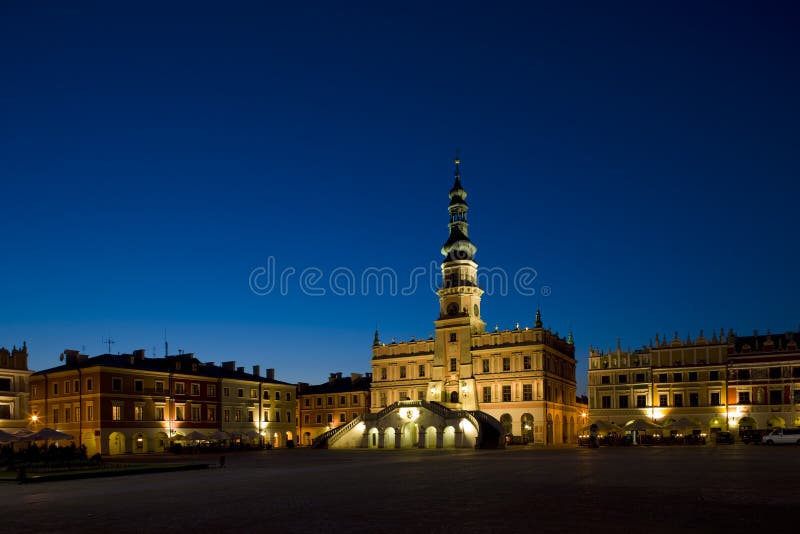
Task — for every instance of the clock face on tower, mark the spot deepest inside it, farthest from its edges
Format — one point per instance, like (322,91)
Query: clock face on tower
(452,308)
(476,310)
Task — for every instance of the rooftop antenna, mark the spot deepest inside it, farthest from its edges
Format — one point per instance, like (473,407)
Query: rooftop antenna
(166,344)
(108,341)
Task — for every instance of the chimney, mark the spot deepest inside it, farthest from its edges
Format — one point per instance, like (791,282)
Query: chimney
(332,378)
(240,369)
(229,366)
(270,374)
(257,370)
(71,357)
(355,377)
(138,355)
(338,376)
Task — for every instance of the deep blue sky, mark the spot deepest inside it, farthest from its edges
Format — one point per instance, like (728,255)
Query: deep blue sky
(642,157)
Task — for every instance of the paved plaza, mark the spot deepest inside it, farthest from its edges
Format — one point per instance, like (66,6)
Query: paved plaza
(733,488)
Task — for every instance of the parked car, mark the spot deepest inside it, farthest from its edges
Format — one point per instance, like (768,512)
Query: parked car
(782,435)
(724,437)
(752,436)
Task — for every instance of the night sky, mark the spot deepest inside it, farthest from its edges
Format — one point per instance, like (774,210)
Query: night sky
(641,157)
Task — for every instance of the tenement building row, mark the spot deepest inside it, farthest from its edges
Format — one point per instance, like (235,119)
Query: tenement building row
(725,382)
(128,403)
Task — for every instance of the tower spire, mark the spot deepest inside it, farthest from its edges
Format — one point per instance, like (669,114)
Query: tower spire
(538,323)
(458,246)
(377,340)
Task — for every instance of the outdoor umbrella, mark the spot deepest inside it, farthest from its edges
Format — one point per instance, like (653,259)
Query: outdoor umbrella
(23,434)
(604,428)
(49,434)
(219,434)
(5,437)
(252,434)
(683,424)
(196,435)
(641,425)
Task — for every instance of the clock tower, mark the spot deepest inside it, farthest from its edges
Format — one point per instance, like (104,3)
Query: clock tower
(452,381)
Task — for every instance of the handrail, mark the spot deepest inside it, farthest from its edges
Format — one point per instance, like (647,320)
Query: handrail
(342,430)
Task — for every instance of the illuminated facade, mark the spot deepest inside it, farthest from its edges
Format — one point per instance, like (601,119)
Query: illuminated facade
(522,379)
(14,392)
(127,403)
(728,382)
(326,406)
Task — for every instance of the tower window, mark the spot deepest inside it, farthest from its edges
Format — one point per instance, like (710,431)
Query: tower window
(453,365)
(453,337)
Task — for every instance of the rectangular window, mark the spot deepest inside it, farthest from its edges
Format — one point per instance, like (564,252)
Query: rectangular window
(195,413)
(402,371)
(355,415)
(795,372)
(622,379)
(641,401)
(692,376)
(714,399)
(330,401)
(306,419)
(250,416)
(319,419)
(277,395)
(662,377)
(288,396)
(319,401)
(195,389)
(453,337)
(639,377)
(713,375)
(694,399)
(237,415)
(265,394)
(383,399)
(55,416)
(797,396)
(623,401)
(605,379)
(421,371)
(159,413)
(89,412)
(743,374)
(138,386)
(487,394)
(330,418)
(226,392)
(288,417)
(240,393)
(211,390)
(266,416)
(180,388)
(744,397)
(527,392)
(355,400)
(342,400)
(67,415)
(116,412)
(776,396)
(506,364)
(383,373)
(89,384)
(421,394)
(403,395)
(526,362)
(307,402)
(159,386)
(485,366)
(138,412)
(55,388)
(179,414)
(77,386)
(677,399)
(677,377)
(506,393)
(605,401)
(226,415)
(342,417)
(67,387)
(253,393)
(211,411)
(774,372)
(662,400)
(453,365)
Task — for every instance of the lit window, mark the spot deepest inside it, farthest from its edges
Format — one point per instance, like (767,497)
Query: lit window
(195,389)
(527,392)
(159,412)
(180,388)
(506,393)
(453,365)
(116,412)
(506,364)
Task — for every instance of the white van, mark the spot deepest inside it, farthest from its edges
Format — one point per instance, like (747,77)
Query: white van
(782,435)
